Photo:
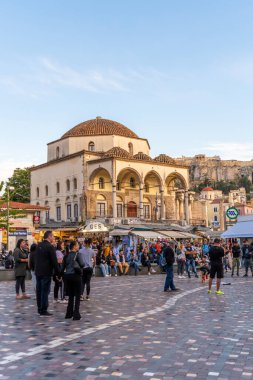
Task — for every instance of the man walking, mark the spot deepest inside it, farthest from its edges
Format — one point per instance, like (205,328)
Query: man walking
(236,252)
(45,262)
(190,254)
(89,259)
(169,256)
(247,252)
(216,253)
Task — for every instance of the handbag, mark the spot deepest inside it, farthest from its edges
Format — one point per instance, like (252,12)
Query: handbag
(76,266)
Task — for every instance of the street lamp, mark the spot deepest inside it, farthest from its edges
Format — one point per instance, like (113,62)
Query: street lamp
(8,189)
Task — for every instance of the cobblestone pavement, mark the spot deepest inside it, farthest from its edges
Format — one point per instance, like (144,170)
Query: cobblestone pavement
(131,329)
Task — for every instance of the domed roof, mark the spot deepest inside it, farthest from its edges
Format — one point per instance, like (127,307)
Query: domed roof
(142,156)
(118,152)
(207,189)
(165,159)
(100,127)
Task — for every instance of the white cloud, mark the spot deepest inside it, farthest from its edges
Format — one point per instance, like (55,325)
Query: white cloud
(231,150)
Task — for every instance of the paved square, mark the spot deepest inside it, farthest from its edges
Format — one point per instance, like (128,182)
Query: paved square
(131,329)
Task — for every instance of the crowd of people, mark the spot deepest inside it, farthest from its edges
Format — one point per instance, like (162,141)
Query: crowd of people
(72,265)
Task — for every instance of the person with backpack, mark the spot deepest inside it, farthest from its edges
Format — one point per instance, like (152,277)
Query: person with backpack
(168,260)
(247,252)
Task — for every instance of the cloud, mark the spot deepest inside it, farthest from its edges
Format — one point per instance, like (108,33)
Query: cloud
(231,150)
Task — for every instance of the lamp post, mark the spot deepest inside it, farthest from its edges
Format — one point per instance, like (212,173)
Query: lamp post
(8,188)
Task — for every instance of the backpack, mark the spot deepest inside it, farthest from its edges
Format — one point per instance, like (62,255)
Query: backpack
(162,261)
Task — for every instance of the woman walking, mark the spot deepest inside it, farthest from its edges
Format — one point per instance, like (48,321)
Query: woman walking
(73,264)
(21,261)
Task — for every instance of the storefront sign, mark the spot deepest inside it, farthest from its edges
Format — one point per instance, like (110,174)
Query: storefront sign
(36,219)
(18,233)
(232,213)
(95,227)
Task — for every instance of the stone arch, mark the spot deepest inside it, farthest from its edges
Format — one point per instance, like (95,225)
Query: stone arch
(97,175)
(152,182)
(176,181)
(125,175)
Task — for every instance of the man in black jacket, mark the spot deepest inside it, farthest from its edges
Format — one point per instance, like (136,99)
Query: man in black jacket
(169,256)
(45,262)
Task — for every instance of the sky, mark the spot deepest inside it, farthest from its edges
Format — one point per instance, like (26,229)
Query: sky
(179,73)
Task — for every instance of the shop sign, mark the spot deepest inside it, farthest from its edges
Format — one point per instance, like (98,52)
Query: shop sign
(36,219)
(232,213)
(95,227)
(18,233)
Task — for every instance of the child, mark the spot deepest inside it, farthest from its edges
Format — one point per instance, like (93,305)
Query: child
(204,268)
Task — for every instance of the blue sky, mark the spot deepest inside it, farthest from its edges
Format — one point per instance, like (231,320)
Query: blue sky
(179,73)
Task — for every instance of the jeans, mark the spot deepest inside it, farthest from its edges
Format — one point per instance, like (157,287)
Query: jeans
(87,274)
(42,289)
(169,283)
(74,284)
(104,269)
(135,265)
(110,269)
(180,267)
(190,263)
(58,285)
(20,283)
(248,263)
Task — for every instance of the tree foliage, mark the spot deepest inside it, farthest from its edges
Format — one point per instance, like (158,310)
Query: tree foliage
(20,181)
(13,214)
(224,186)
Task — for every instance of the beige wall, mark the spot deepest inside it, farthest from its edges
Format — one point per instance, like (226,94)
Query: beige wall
(102,144)
(58,172)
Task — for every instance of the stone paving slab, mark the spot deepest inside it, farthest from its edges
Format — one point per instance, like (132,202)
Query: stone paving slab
(131,329)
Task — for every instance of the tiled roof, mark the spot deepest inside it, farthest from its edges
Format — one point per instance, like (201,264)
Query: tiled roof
(118,152)
(165,159)
(207,189)
(100,127)
(23,206)
(142,157)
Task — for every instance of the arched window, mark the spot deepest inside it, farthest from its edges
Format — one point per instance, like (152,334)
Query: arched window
(57,152)
(68,185)
(118,187)
(76,212)
(75,184)
(130,148)
(46,190)
(57,187)
(101,183)
(91,146)
(37,192)
(132,182)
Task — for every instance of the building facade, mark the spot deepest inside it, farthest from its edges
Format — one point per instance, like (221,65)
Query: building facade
(101,169)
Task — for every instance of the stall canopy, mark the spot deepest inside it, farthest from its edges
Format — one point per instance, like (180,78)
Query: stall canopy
(242,229)
(119,232)
(94,227)
(147,234)
(172,234)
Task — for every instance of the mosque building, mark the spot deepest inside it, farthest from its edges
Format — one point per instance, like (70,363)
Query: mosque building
(100,169)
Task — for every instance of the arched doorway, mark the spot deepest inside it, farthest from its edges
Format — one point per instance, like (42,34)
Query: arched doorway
(132,210)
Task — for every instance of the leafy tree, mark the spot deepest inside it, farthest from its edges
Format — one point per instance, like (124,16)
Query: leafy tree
(244,182)
(13,214)
(20,181)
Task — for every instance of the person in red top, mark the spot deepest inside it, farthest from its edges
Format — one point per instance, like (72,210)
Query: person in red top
(158,247)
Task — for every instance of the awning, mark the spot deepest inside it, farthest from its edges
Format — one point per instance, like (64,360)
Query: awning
(119,232)
(242,229)
(173,234)
(147,234)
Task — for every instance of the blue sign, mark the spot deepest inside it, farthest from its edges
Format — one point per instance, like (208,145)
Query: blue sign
(18,233)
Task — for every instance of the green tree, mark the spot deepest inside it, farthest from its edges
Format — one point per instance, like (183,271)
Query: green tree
(20,181)
(244,182)
(5,216)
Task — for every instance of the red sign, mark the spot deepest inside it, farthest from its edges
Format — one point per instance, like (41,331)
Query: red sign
(36,219)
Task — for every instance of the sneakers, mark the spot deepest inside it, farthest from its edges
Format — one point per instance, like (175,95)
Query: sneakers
(25,296)
(116,275)
(81,298)
(18,297)
(56,301)
(153,271)
(149,273)
(179,276)
(219,292)
(87,298)
(46,314)
(209,291)
(63,301)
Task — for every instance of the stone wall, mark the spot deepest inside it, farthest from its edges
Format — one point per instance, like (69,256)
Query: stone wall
(214,168)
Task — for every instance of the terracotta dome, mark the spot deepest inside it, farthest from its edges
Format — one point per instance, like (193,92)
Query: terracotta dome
(163,158)
(142,157)
(100,127)
(118,152)
(207,189)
